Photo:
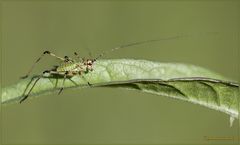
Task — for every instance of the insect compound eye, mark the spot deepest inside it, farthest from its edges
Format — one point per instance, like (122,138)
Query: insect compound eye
(89,62)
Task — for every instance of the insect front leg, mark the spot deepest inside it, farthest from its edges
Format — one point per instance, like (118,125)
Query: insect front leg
(80,73)
(77,55)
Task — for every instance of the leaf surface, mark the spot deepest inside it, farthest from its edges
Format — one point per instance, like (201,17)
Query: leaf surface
(175,80)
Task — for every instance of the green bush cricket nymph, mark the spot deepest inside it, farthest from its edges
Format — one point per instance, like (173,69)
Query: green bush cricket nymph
(69,67)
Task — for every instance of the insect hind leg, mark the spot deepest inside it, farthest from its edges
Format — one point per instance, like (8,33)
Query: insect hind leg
(26,96)
(35,82)
(43,54)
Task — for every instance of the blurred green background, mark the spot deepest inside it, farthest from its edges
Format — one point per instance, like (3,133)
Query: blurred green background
(104,115)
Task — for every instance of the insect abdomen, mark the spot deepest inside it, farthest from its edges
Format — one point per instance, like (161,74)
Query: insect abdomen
(66,67)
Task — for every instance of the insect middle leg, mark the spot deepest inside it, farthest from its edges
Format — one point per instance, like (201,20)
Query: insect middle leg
(65,76)
(67,73)
(44,53)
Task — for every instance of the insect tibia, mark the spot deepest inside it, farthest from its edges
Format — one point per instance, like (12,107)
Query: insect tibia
(89,84)
(23,99)
(60,91)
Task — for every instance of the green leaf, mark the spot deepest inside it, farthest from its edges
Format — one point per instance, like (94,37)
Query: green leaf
(179,81)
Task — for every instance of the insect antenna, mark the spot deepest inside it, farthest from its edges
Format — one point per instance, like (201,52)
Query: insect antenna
(89,54)
(89,51)
(138,43)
